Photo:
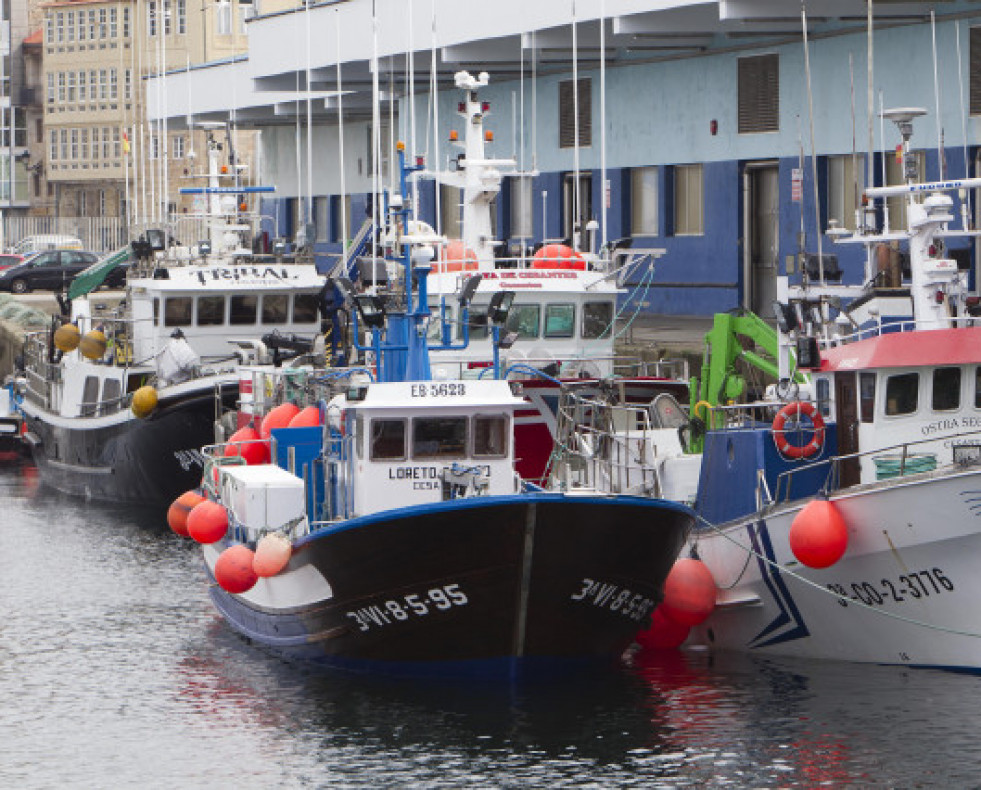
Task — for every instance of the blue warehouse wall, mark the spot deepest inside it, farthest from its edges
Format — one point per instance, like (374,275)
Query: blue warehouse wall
(662,113)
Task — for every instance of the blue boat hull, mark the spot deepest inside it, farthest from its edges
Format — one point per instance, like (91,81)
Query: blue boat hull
(483,585)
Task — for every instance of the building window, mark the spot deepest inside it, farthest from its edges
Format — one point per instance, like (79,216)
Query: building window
(126,23)
(81,26)
(102,203)
(178,147)
(85,145)
(567,114)
(224,12)
(53,145)
(128,85)
(60,27)
(74,133)
(49,30)
(846,183)
(759,94)
(151,18)
(96,151)
(93,85)
(63,135)
(83,203)
(61,87)
(117,148)
(91,25)
(51,87)
(688,219)
(106,142)
(103,85)
(71,86)
(39,130)
(246,10)
(643,201)
(113,28)
(82,92)
(522,211)
(113,85)
(896,177)
(70,33)
(181,17)
(103,24)
(154,147)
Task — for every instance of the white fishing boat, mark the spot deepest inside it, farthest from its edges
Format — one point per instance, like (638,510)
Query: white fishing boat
(119,401)
(855,537)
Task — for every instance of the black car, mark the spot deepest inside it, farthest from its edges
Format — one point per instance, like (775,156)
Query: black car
(52,270)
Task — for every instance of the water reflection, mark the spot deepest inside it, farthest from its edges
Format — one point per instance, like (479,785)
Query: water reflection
(116,671)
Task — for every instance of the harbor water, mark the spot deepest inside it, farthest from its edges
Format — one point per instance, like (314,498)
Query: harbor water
(116,672)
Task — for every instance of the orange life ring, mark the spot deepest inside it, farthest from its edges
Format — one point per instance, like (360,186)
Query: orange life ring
(794,410)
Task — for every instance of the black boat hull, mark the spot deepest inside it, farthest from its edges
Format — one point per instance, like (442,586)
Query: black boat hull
(128,460)
(469,585)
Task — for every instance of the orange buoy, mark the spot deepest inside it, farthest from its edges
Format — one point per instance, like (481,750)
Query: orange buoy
(233,570)
(306,418)
(246,443)
(557,256)
(818,534)
(207,522)
(689,592)
(180,509)
(278,417)
(664,633)
(272,554)
(456,257)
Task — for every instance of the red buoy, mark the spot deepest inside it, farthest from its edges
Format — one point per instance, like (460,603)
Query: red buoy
(307,418)
(180,509)
(233,570)
(278,417)
(557,256)
(207,522)
(664,633)
(689,592)
(272,554)
(818,534)
(246,442)
(457,257)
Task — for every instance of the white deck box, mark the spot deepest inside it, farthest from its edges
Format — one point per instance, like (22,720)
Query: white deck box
(262,497)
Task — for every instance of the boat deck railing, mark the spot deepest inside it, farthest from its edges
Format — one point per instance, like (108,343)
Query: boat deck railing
(896,460)
(895,327)
(615,447)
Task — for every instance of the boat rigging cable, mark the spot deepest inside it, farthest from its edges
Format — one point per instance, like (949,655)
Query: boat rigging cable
(751,553)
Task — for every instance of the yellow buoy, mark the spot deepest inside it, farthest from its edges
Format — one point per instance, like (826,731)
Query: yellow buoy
(144,401)
(93,344)
(66,337)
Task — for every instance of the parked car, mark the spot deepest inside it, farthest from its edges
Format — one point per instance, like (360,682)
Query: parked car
(10,260)
(52,270)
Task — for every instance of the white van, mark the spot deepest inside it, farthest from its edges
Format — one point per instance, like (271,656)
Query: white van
(47,241)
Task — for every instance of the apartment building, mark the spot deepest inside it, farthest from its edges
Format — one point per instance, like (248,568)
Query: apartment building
(99,157)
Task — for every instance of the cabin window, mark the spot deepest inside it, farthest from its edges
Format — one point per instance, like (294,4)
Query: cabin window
(560,320)
(110,395)
(901,393)
(439,437)
(177,311)
(275,308)
(388,440)
(866,397)
(524,319)
(90,396)
(823,396)
(946,389)
(244,309)
(306,309)
(211,310)
(490,436)
(479,327)
(597,318)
